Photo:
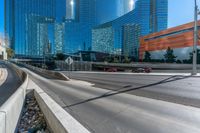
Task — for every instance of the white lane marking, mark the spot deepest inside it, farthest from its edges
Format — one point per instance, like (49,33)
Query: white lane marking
(145,74)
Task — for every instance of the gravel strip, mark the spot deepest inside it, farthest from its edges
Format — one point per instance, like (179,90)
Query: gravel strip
(32,119)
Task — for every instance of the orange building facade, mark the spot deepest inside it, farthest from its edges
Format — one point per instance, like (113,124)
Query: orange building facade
(176,38)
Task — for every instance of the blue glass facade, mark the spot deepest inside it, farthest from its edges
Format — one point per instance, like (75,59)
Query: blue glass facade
(86,15)
(78,30)
(31,24)
(28,25)
(150,16)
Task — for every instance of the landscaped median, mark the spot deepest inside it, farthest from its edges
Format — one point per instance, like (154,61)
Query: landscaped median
(51,115)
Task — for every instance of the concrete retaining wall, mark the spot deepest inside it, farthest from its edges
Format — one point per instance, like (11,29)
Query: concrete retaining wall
(43,72)
(10,111)
(57,118)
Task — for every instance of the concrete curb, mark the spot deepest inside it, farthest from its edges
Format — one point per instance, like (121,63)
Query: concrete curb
(53,74)
(58,119)
(10,111)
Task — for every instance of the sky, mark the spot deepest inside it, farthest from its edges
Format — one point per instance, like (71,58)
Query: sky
(1,16)
(180,12)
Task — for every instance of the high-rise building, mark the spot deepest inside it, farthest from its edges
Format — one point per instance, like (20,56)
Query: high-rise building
(131,34)
(59,37)
(78,28)
(103,38)
(3,53)
(83,15)
(108,10)
(72,10)
(31,24)
(27,25)
(125,6)
(149,15)
(61,10)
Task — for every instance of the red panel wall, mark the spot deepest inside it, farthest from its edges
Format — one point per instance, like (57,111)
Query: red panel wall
(174,41)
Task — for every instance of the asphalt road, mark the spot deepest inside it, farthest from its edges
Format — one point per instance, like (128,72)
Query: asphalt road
(177,89)
(11,83)
(102,110)
(175,71)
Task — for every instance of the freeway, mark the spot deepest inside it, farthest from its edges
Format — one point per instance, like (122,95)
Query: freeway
(177,89)
(103,110)
(11,83)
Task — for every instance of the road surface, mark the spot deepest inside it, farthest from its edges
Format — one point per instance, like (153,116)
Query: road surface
(11,83)
(178,89)
(102,110)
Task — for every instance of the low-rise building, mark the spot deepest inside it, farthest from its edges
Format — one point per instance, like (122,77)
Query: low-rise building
(180,39)
(3,53)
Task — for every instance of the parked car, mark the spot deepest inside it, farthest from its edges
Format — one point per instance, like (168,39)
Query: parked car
(142,70)
(138,70)
(148,69)
(111,70)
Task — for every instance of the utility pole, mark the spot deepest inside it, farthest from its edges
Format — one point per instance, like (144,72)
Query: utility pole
(194,68)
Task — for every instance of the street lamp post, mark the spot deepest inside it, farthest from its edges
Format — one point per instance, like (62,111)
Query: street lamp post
(194,68)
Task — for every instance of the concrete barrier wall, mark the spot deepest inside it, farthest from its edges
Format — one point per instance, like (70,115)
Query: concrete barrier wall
(2,122)
(10,111)
(57,118)
(53,74)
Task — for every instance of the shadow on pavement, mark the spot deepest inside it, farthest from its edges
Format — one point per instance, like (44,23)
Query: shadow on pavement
(121,90)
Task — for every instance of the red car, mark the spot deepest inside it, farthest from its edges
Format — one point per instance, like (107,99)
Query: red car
(142,70)
(111,70)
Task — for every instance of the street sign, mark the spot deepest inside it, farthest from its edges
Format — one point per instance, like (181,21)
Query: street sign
(69,60)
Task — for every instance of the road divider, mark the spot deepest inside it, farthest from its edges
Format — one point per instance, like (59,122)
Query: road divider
(45,73)
(10,111)
(57,118)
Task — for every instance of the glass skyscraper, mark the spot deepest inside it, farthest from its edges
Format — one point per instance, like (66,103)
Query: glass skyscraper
(103,38)
(83,15)
(149,16)
(78,25)
(131,34)
(28,25)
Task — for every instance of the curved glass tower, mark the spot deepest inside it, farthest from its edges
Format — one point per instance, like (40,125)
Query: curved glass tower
(108,10)
(147,17)
(83,15)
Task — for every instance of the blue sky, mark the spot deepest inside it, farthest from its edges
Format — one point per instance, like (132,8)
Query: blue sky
(1,15)
(180,12)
